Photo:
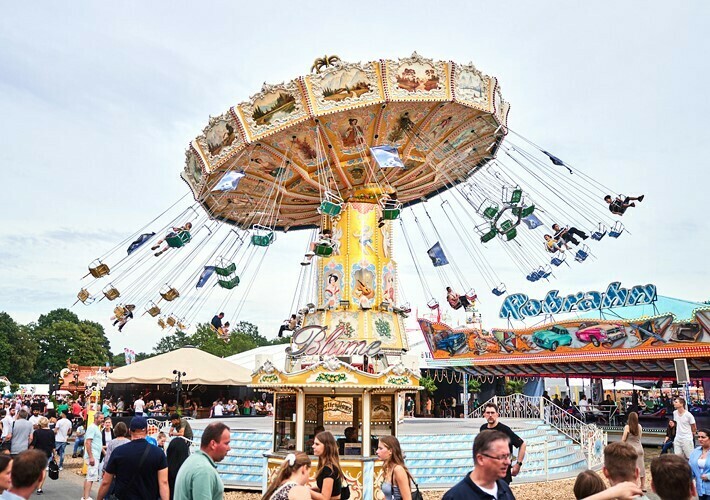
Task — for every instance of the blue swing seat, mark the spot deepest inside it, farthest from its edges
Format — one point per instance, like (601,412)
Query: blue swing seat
(556,261)
(616,231)
(499,290)
(599,233)
(582,254)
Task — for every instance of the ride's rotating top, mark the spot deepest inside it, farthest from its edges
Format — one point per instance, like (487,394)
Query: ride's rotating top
(298,141)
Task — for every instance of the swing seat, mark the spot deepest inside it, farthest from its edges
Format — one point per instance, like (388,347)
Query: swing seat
(471,295)
(391,213)
(523,212)
(582,254)
(153,310)
(489,235)
(599,233)
(616,231)
(169,293)
(405,308)
(433,304)
(263,236)
(545,272)
(181,326)
(98,269)
(499,290)
(490,212)
(84,296)
(556,261)
(323,249)
(330,208)
(229,284)
(515,196)
(179,239)
(171,320)
(509,235)
(111,293)
(226,271)
(119,312)
(161,323)
(506,226)
(533,276)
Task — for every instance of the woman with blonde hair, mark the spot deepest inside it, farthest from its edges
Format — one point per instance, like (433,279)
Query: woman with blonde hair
(43,439)
(289,482)
(632,435)
(329,477)
(396,475)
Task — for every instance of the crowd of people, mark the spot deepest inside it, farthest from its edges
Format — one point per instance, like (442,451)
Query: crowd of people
(127,463)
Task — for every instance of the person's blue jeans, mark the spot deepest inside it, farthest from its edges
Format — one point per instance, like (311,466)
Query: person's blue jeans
(666,447)
(78,443)
(60,450)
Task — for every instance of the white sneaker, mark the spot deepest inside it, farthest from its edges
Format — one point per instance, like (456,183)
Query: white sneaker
(310,254)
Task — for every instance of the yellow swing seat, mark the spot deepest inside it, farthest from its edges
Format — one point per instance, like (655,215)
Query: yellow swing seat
(98,269)
(171,320)
(153,310)
(169,293)
(84,296)
(161,323)
(111,293)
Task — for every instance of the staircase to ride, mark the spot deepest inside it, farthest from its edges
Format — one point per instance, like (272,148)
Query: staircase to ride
(439,461)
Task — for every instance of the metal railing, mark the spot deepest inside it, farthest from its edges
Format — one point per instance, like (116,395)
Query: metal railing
(590,437)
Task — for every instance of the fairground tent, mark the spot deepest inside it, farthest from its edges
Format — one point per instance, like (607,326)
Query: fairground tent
(200,368)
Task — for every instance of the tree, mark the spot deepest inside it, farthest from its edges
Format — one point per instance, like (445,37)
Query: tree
(119,359)
(8,330)
(514,387)
(171,342)
(23,356)
(60,335)
(474,385)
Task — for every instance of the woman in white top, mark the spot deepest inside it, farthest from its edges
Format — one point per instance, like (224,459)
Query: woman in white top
(290,480)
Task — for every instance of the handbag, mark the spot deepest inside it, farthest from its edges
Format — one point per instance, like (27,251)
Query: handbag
(53,470)
(416,494)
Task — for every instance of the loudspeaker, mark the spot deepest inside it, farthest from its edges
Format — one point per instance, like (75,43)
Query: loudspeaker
(681,371)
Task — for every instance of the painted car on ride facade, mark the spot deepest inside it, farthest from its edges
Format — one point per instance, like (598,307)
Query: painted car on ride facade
(601,334)
(553,338)
(451,342)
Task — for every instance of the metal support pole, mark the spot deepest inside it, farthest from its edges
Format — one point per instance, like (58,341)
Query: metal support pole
(465,395)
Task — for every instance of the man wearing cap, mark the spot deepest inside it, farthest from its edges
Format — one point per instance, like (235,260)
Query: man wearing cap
(180,427)
(198,477)
(139,468)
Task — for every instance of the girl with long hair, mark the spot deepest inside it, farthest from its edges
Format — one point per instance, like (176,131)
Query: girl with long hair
(632,435)
(396,475)
(328,475)
(289,482)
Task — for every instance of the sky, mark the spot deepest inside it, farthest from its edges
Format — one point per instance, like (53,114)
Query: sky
(98,103)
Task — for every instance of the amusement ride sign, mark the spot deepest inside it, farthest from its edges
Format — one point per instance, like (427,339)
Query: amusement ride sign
(518,305)
(313,340)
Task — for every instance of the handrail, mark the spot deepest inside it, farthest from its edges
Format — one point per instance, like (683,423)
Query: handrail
(590,437)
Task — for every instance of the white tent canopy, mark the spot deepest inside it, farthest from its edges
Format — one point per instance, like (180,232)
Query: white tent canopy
(200,368)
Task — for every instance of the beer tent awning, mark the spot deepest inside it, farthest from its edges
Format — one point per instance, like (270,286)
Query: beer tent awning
(200,368)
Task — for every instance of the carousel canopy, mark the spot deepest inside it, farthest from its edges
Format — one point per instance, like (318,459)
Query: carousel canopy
(200,367)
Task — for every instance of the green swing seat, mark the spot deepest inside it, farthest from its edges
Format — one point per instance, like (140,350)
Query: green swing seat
(263,239)
(489,235)
(490,212)
(508,229)
(323,250)
(179,239)
(391,213)
(523,212)
(330,208)
(229,284)
(226,271)
(516,196)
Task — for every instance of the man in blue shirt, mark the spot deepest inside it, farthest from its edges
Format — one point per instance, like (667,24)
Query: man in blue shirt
(491,456)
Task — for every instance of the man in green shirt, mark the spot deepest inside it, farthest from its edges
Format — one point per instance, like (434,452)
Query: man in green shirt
(198,477)
(180,427)
(63,407)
